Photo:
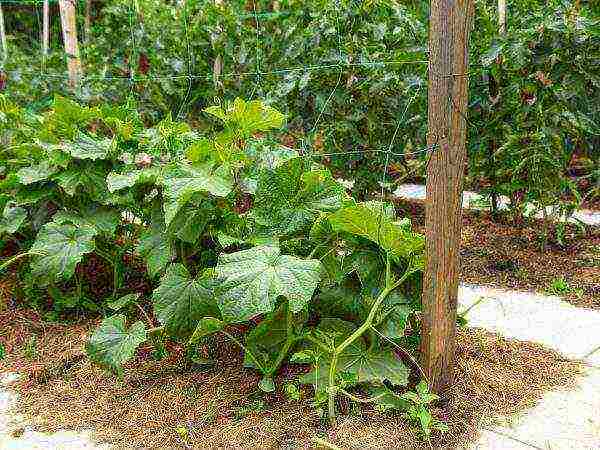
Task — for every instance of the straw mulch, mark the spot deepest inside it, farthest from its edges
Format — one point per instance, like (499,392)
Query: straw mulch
(170,404)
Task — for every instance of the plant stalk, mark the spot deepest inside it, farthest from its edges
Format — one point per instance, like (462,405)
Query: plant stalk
(390,286)
(290,340)
(15,258)
(243,347)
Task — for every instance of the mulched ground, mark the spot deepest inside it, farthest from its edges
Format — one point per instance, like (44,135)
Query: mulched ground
(173,404)
(509,255)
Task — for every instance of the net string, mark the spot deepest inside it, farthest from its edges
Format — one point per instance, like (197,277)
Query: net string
(258,74)
(341,73)
(134,51)
(189,62)
(243,74)
(260,71)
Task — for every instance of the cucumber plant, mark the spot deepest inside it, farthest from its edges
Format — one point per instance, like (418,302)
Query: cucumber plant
(234,229)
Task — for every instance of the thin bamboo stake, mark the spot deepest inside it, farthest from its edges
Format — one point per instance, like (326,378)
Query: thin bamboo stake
(46,28)
(69,28)
(3,36)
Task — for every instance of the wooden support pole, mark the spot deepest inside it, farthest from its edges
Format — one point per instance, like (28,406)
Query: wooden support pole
(87,24)
(3,36)
(450,23)
(502,16)
(69,28)
(218,62)
(46,27)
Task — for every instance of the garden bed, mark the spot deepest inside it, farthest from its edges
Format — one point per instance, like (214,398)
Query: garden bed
(173,404)
(507,254)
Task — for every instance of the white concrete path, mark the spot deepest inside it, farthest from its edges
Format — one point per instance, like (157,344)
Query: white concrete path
(26,438)
(473,200)
(526,316)
(563,420)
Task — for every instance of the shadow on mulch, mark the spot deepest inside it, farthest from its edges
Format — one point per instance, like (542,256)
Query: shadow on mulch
(168,404)
(508,255)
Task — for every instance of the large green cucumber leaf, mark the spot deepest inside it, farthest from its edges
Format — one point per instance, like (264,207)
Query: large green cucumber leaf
(155,248)
(104,219)
(253,280)
(387,400)
(376,226)
(85,146)
(191,220)
(331,332)
(60,247)
(358,363)
(118,181)
(392,316)
(248,117)
(30,195)
(340,258)
(266,155)
(182,184)
(124,301)
(36,172)
(69,113)
(154,245)
(374,365)
(289,199)
(206,326)
(113,344)
(268,338)
(369,267)
(88,178)
(345,301)
(12,218)
(181,300)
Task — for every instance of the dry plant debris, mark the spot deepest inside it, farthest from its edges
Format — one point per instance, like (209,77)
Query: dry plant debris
(505,254)
(170,404)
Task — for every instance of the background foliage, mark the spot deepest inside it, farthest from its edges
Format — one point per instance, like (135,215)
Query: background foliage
(156,189)
(347,73)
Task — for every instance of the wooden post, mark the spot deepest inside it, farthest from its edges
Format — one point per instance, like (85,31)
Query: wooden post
(87,24)
(3,36)
(69,28)
(46,28)
(502,16)
(450,22)
(218,62)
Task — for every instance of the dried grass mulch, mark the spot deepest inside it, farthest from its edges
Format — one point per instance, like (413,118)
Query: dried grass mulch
(170,405)
(508,255)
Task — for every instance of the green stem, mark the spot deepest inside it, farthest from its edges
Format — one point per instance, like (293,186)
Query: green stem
(358,333)
(15,258)
(113,264)
(359,399)
(314,250)
(243,347)
(79,285)
(290,340)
